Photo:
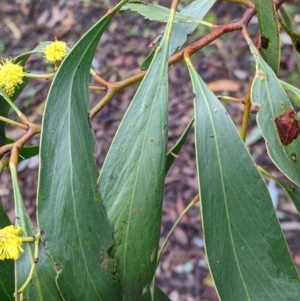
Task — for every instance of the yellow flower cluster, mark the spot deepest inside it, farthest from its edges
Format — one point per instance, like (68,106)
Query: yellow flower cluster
(55,52)
(11,75)
(10,243)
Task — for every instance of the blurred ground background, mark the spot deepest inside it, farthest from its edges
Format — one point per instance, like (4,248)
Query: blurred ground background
(226,65)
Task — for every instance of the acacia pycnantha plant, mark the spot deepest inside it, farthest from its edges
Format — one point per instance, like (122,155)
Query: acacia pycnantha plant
(97,235)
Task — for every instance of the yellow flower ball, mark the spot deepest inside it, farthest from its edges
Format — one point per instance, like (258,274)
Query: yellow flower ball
(55,52)
(11,75)
(10,243)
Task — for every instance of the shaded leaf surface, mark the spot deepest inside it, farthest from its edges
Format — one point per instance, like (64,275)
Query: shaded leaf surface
(160,295)
(131,182)
(77,232)
(246,250)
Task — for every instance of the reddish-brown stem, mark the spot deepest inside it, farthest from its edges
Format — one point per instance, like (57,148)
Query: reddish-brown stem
(100,80)
(174,5)
(96,88)
(188,51)
(16,147)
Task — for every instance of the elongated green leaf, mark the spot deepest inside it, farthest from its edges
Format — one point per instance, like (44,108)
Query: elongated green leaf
(177,147)
(147,61)
(132,179)
(267,92)
(42,286)
(157,13)
(197,10)
(269,30)
(7,266)
(77,233)
(245,247)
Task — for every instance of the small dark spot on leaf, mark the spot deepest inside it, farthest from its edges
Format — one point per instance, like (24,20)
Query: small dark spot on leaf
(136,211)
(151,140)
(289,188)
(297,45)
(165,126)
(211,136)
(264,42)
(287,126)
(255,108)
(89,121)
(58,267)
(294,157)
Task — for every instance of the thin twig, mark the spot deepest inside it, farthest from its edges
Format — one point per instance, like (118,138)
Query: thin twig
(190,50)
(246,114)
(228,98)
(14,123)
(115,87)
(98,89)
(186,209)
(15,148)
